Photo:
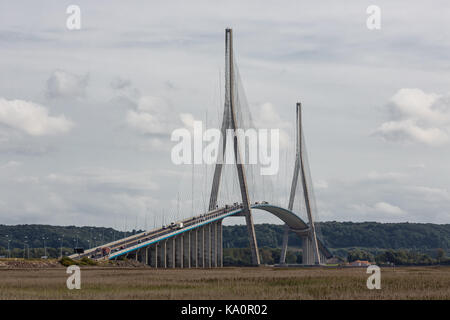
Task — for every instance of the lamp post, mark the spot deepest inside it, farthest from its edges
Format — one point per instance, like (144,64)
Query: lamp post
(24,244)
(8,240)
(61,239)
(45,247)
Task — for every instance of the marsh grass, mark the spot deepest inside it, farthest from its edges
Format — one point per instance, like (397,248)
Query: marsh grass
(226,283)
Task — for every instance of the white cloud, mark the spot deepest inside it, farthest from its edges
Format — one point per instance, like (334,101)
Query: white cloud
(10,164)
(382,209)
(65,84)
(320,184)
(417,116)
(187,119)
(385,176)
(153,115)
(417,166)
(385,207)
(106,179)
(265,116)
(282,57)
(31,118)
(434,195)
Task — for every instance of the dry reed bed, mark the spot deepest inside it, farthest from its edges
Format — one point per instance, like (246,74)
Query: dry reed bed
(227,283)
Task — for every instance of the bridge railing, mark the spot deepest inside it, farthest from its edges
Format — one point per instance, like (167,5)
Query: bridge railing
(198,221)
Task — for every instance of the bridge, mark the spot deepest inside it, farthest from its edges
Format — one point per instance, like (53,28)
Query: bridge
(197,242)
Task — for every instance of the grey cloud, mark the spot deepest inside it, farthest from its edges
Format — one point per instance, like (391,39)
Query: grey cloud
(320,53)
(387,197)
(66,84)
(417,116)
(120,83)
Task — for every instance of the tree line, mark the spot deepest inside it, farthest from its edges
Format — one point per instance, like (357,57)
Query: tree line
(420,236)
(399,243)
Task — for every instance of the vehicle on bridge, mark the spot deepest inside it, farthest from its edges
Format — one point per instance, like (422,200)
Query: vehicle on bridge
(176,226)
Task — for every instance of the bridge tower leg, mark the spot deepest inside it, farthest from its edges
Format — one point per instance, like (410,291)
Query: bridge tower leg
(230,122)
(305,251)
(284,245)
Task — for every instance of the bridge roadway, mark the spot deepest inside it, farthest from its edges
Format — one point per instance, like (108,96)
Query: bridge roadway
(171,253)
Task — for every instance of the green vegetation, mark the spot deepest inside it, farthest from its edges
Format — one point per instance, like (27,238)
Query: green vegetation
(227,283)
(269,256)
(398,257)
(66,261)
(418,236)
(30,237)
(386,235)
(384,243)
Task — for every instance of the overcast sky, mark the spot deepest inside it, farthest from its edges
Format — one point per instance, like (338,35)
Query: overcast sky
(86,115)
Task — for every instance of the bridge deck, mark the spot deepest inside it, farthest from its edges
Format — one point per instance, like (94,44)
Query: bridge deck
(135,242)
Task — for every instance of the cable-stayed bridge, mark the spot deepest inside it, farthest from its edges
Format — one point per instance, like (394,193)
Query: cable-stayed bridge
(197,241)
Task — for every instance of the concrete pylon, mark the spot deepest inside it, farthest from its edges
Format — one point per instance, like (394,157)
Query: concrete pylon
(230,122)
(310,242)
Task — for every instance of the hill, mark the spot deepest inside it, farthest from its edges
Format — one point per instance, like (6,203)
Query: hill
(349,240)
(421,236)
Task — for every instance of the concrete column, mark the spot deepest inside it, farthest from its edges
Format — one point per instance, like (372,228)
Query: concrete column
(168,252)
(308,251)
(219,244)
(154,256)
(171,252)
(163,254)
(305,254)
(214,244)
(323,259)
(286,231)
(146,256)
(187,250)
(201,247)
(179,251)
(207,241)
(194,248)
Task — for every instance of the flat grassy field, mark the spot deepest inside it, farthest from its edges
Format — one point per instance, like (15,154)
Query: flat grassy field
(226,283)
